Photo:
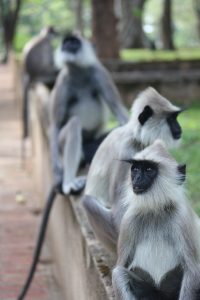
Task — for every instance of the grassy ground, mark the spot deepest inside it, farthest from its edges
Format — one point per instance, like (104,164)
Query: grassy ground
(159,55)
(189,152)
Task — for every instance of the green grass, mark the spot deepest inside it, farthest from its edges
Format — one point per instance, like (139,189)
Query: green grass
(145,55)
(189,153)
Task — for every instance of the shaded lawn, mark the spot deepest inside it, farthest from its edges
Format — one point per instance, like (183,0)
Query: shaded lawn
(143,55)
(188,152)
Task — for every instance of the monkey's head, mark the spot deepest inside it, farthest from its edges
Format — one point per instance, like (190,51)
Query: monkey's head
(154,117)
(78,51)
(156,177)
(49,31)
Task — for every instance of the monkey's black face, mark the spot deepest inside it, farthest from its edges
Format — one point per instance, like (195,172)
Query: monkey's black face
(71,44)
(174,125)
(143,174)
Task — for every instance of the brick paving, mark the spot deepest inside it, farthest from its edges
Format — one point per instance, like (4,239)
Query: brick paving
(18,224)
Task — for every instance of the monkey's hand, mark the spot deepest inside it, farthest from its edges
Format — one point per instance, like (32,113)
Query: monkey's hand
(75,186)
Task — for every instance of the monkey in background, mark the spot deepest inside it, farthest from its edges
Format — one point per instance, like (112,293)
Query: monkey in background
(38,65)
(79,101)
(159,245)
(153,117)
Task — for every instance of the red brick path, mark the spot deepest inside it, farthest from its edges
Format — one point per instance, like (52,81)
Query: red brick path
(18,225)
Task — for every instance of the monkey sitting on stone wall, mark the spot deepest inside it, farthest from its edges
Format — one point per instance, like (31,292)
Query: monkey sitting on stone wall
(79,101)
(38,66)
(78,118)
(158,256)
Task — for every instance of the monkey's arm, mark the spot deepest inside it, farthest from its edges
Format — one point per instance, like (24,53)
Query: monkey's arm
(58,107)
(55,155)
(110,94)
(101,220)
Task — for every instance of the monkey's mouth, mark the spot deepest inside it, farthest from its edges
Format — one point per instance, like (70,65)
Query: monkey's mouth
(138,190)
(177,136)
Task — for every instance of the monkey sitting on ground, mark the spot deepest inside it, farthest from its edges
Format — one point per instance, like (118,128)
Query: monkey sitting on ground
(38,66)
(79,101)
(153,117)
(158,246)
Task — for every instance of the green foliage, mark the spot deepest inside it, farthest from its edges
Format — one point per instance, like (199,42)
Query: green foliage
(188,152)
(36,14)
(137,12)
(159,55)
(184,22)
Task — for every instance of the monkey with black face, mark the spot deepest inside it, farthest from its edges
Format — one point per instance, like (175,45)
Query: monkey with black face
(79,110)
(158,246)
(38,65)
(153,116)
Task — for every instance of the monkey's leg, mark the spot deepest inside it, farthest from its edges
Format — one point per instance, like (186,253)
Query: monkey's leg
(121,284)
(70,139)
(55,155)
(131,285)
(101,220)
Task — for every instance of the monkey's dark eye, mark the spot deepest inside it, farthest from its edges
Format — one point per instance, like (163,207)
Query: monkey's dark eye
(149,169)
(135,169)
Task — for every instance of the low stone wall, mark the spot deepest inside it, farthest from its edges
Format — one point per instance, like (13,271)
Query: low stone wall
(177,80)
(82,267)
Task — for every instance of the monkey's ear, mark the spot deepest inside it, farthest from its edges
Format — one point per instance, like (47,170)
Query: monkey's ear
(145,115)
(182,172)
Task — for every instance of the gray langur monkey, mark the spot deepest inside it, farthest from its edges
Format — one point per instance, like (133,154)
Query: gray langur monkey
(153,117)
(38,65)
(158,245)
(77,124)
(79,101)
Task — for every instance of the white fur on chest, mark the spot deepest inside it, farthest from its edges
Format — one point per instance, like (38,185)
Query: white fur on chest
(155,257)
(91,114)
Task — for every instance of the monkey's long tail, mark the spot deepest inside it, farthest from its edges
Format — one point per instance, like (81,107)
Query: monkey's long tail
(40,240)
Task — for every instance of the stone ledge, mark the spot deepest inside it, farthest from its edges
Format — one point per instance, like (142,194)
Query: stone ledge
(82,266)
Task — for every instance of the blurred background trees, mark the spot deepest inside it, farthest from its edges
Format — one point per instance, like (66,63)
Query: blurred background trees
(9,13)
(112,24)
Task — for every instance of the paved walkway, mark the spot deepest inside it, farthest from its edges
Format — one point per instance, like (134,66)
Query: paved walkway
(18,224)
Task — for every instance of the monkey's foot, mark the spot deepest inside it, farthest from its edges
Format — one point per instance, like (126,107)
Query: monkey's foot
(74,187)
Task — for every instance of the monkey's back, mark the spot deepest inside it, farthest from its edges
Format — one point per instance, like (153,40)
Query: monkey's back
(104,176)
(38,57)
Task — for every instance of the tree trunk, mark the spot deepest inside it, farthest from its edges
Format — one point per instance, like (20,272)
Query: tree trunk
(104,29)
(8,19)
(197,11)
(77,7)
(166,26)
(131,31)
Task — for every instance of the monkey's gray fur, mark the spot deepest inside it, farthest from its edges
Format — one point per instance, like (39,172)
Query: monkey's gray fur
(38,66)
(107,175)
(78,109)
(159,245)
